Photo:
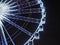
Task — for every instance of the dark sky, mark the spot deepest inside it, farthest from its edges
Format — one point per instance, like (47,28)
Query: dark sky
(50,35)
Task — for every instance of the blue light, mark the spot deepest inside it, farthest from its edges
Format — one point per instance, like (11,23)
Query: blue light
(6,13)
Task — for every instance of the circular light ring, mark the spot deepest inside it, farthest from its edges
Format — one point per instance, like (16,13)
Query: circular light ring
(36,34)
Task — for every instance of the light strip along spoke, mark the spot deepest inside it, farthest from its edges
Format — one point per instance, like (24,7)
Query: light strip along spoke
(31,10)
(17,35)
(8,35)
(1,1)
(14,33)
(28,19)
(5,1)
(3,43)
(3,34)
(12,4)
(17,26)
(28,4)
(9,1)
(27,11)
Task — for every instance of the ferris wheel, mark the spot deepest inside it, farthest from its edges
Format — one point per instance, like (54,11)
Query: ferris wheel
(21,21)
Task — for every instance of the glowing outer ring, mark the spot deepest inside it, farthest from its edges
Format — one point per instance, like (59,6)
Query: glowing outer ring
(42,21)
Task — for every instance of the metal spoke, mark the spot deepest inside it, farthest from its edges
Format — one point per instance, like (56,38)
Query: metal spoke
(9,1)
(28,11)
(31,10)
(5,1)
(12,3)
(13,10)
(13,33)
(17,26)
(28,4)
(28,19)
(17,35)
(1,1)
(8,35)
(3,34)
(14,6)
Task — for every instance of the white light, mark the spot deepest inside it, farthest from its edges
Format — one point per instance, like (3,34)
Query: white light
(0,23)
(4,9)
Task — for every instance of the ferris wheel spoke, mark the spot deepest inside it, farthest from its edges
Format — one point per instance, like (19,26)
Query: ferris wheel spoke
(3,35)
(28,4)
(9,1)
(10,14)
(14,33)
(8,35)
(2,41)
(17,26)
(33,10)
(13,10)
(14,6)
(5,1)
(17,35)
(1,1)
(29,11)
(14,3)
(22,18)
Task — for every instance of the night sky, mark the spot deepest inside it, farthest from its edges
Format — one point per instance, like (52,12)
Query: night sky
(50,35)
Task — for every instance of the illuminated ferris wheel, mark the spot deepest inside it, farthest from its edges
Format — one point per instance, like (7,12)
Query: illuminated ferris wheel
(21,21)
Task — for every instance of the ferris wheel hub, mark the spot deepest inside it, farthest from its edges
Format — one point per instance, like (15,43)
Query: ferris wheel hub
(4,9)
